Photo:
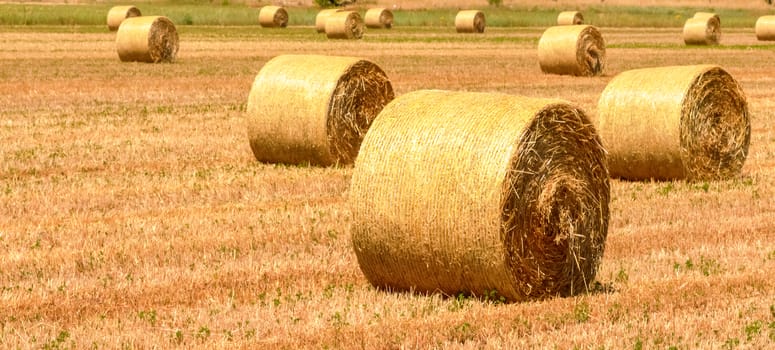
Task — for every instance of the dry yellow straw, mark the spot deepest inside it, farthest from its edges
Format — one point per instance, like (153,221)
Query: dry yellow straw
(480,193)
(702,29)
(344,25)
(567,18)
(572,50)
(378,18)
(765,28)
(470,21)
(118,14)
(674,122)
(314,109)
(320,19)
(273,17)
(147,39)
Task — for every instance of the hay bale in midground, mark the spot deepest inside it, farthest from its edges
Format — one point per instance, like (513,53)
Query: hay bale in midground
(477,192)
(681,122)
(273,17)
(378,18)
(314,109)
(702,29)
(567,18)
(344,25)
(765,28)
(147,39)
(320,19)
(470,21)
(572,50)
(118,14)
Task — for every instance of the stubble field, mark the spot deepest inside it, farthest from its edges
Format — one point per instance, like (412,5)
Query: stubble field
(134,215)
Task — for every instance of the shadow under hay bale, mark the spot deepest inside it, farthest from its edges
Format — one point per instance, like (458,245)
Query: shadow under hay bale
(572,50)
(149,39)
(344,25)
(470,21)
(476,192)
(378,18)
(118,14)
(567,18)
(273,17)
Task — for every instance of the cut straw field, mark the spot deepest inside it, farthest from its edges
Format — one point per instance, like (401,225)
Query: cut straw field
(133,213)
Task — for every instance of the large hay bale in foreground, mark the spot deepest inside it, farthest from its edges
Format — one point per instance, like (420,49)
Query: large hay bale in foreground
(673,123)
(273,17)
(476,192)
(147,39)
(470,21)
(344,25)
(314,109)
(702,29)
(321,17)
(118,14)
(378,18)
(572,50)
(567,18)
(765,28)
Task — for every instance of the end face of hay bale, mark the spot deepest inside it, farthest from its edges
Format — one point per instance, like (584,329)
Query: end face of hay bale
(765,28)
(314,109)
(118,14)
(321,17)
(470,21)
(680,122)
(273,17)
(475,192)
(147,39)
(567,18)
(344,25)
(702,30)
(379,18)
(572,50)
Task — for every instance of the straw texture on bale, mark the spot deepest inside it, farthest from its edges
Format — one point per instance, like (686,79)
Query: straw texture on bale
(344,25)
(118,14)
(765,28)
(470,21)
(680,122)
(273,17)
(378,18)
(480,192)
(147,39)
(314,109)
(320,19)
(567,18)
(572,50)
(702,29)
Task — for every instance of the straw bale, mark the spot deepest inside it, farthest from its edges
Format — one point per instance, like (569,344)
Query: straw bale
(567,18)
(314,109)
(572,50)
(470,21)
(480,192)
(378,18)
(273,17)
(118,14)
(679,122)
(344,25)
(765,28)
(320,19)
(702,29)
(147,39)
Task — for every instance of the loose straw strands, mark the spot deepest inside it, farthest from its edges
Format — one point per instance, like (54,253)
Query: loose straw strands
(567,18)
(765,28)
(572,50)
(344,25)
(477,192)
(702,29)
(470,21)
(320,19)
(147,39)
(118,14)
(680,122)
(273,17)
(378,18)
(314,109)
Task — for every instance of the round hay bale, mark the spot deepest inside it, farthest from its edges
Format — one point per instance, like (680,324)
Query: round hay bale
(572,50)
(378,18)
(147,39)
(567,18)
(480,192)
(314,109)
(703,29)
(273,17)
(765,28)
(320,19)
(118,14)
(470,21)
(680,122)
(344,25)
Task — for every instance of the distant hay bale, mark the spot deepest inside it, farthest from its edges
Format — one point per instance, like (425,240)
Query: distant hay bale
(765,28)
(344,25)
(702,29)
(470,21)
(273,17)
(147,39)
(379,18)
(680,122)
(314,109)
(320,19)
(567,18)
(572,50)
(118,14)
(480,192)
